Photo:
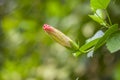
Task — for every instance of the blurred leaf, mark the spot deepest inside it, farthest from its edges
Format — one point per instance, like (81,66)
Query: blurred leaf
(9,23)
(103,39)
(113,43)
(117,71)
(27,25)
(99,4)
(54,8)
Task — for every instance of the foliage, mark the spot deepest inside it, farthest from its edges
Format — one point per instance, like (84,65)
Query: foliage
(113,42)
(98,7)
(99,4)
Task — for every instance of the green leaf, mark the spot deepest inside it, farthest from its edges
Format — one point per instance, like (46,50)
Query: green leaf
(99,16)
(103,39)
(88,46)
(97,19)
(99,4)
(113,43)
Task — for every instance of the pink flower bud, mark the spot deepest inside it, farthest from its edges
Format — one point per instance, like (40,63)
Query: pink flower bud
(59,37)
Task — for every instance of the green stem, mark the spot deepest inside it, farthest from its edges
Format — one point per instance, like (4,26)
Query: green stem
(108,17)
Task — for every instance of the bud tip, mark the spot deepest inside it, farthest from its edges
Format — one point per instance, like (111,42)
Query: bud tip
(46,27)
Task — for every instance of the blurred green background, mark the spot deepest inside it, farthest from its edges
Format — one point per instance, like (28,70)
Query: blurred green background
(28,53)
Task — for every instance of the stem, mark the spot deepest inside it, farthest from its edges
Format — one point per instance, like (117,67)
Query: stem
(108,17)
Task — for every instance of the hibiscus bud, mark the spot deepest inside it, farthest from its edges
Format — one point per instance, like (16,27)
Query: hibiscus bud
(59,37)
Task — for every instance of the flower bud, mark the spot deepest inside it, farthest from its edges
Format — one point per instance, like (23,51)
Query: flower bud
(59,37)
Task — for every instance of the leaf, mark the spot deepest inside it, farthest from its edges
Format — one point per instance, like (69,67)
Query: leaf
(103,39)
(88,47)
(113,43)
(97,19)
(99,16)
(85,48)
(99,4)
